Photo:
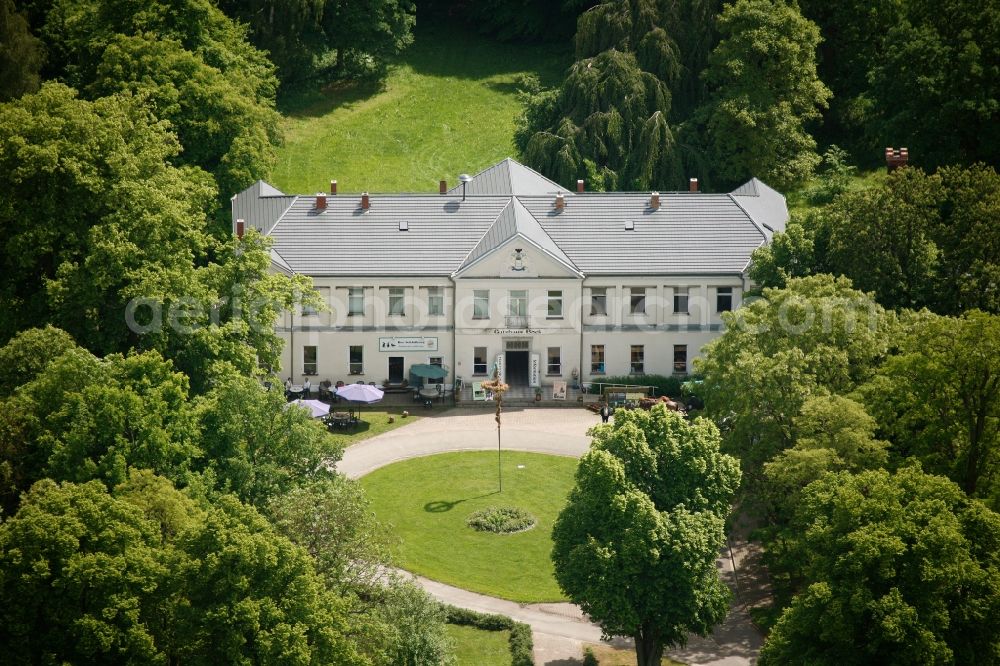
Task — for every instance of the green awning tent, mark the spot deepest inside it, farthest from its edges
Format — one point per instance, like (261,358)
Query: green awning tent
(426,371)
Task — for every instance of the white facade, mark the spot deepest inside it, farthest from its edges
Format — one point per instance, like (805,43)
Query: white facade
(516,274)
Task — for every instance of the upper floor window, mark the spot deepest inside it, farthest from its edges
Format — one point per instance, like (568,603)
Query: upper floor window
(723,299)
(517,304)
(680,300)
(481,304)
(356,302)
(637,300)
(598,301)
(555,306)
(397,301)
(435,301)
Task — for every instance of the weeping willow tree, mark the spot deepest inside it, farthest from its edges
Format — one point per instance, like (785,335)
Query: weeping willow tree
(613,120)
(611,128)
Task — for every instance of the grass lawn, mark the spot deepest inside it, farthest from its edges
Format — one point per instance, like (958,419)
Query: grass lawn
(447,106)
(374,422)
(427,501)
(609,656)
(478,647)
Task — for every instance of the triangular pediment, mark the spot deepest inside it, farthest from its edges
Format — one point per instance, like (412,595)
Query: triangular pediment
(496,255)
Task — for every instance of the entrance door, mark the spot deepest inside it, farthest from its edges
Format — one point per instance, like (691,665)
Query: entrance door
(395,369)
(517,368)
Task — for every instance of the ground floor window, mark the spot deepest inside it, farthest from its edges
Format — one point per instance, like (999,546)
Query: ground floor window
(438,361)
(638,360)
(479,361)
(554,366)
(357,360)
(597,359)
(309,361)
(680,359)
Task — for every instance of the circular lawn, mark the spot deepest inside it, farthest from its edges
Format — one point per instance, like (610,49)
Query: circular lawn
(427,500)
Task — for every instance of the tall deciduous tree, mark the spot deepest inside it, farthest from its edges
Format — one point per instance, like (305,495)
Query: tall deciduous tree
(764,90)
(816,336)
(368,29)
(191,63)
(903,569)
(937,84)
(636,544)
(21,53)
(92,209)
(883,238)
(939,398)
(148,576)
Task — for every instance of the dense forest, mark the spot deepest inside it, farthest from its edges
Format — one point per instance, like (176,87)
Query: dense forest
(157,505)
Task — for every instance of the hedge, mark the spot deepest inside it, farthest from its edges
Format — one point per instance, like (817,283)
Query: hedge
(664,385)
(521,645)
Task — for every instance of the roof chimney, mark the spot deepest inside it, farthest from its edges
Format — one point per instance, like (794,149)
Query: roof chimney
(333,187)
(579,186)
(895,159)
(560,201)
(443,187)
(693,185)
(365,203)
(654,200)
(320,201)
(240,225)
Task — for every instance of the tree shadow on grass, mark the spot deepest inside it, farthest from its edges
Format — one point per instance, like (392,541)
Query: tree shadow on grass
(441,506)
(314,101)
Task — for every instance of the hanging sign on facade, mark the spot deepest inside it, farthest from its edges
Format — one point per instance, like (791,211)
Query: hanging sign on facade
(499,366)
(534,371)
(407,344)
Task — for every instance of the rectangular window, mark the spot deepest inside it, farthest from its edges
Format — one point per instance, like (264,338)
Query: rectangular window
(637,300)
(723,299)
(554,366)
(555,305)
(309,361)
(598,302)
(637,362)
(597,359)
(680,359)
(356,302)
(357,360)
(397,301)
(308,310)
(438,361)
(435,301)
(481,304)
(680,300)
(517,304)
(479,361)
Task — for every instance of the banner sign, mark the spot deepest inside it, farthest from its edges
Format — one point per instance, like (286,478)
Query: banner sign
(534,371)
(407,344)
(499,366)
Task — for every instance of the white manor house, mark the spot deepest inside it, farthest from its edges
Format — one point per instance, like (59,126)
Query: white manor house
(509,270)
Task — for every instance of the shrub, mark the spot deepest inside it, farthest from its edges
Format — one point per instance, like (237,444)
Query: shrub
(588,657)
(521,643)
(501,520)
(662,384)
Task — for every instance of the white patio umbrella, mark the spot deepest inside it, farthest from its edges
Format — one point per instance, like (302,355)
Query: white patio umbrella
(362,393)
(317,408)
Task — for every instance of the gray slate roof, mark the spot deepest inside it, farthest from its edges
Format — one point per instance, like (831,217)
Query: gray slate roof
(515,220)
(690,233)
(509,177)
